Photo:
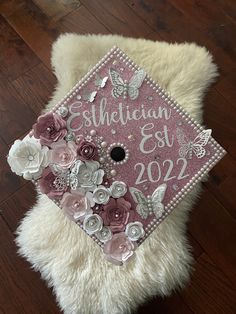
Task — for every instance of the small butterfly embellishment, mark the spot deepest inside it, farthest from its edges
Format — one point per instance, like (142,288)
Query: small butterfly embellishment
(66,177)
(87,96)
(190,147)
(100,82)
(152,204)
(122,87)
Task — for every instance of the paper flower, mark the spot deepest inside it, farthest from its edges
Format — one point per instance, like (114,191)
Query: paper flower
(86,149)
(119,249)
(92,223)
(104,234)
(89,175)
(118,189)
(28,158)
(116,214)
(77,204)
(49,128)
(101,195)
(51,185)
(134,230)
(63,153)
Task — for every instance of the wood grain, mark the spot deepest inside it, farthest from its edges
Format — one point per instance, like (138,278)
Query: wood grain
(118,17)
(35,87)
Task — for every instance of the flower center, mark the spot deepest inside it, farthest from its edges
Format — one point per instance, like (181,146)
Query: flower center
(30,157)
(77,204)
(50,129)
(64,156)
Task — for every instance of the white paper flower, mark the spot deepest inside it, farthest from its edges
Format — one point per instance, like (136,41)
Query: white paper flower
(118,189)
(134,230)
(104,234)
(101,195)
(92,223)
(89,175)
(28,158)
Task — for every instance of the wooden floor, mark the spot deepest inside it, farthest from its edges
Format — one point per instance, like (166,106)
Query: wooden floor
(27,30)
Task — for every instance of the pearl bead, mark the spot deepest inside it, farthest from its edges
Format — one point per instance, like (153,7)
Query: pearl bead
(30,157)
(104,144)
(93,132)
(113,172)
(102,160)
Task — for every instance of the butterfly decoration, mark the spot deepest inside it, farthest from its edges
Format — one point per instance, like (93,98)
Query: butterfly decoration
(100,82)
(196,146)
(66,177)
(152,204)
(88,96)
(122,88)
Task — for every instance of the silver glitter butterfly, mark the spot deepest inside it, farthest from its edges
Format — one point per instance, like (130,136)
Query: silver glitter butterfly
(66,177)
(122,88)
(87,96)
(99,81)
(152,204)
(196,146)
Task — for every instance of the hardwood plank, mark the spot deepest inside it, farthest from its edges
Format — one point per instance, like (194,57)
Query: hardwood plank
(228,7)
(35,87)
(197,250)
(222,182)
(35,29)
(16,117)
(7,7)
(21,290)
(209,291)
(83,22)
(173,25)
(15,56)
(173,304)
(14,209)
(210,20)
(220,116)
(215,230)
(9,182)
(59,8)
(117,17)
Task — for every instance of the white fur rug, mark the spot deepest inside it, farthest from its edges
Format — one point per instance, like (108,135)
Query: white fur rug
(67,258)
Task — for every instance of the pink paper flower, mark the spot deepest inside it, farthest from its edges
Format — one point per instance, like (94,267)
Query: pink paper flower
(52,186)
(86,150)
(116,214)
(77,204)
(63,153)
(49,128)
(119,249)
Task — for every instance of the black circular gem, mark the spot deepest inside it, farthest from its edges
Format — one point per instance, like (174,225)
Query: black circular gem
(117,154)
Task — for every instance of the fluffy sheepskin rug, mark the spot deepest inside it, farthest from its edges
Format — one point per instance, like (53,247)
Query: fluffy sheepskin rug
(83,281)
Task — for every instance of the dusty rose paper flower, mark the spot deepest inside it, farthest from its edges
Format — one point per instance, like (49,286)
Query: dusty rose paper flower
(119,249)
(86,149)
(49,128)
(77,204)
(63,153)
(52,186)
(116,214)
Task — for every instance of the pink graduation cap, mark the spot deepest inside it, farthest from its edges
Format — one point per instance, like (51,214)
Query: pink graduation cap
(120,154)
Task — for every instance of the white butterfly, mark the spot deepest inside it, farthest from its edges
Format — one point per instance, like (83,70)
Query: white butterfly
(152,204)
(188,147)
(87,96)
(66,177)
(121,87)
(100,82)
